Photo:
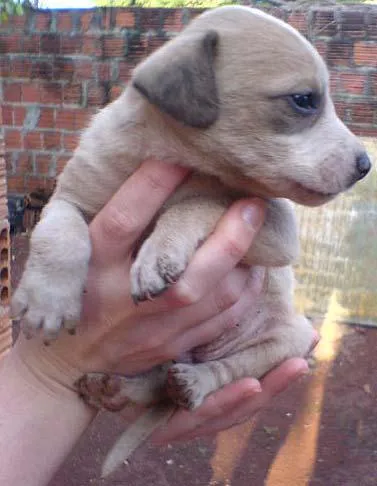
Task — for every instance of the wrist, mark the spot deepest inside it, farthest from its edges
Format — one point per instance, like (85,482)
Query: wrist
(41,367)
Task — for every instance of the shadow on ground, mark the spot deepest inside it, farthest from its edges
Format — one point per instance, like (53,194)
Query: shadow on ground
(321,432)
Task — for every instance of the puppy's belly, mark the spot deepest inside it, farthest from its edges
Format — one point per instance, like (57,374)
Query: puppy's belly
(249,331)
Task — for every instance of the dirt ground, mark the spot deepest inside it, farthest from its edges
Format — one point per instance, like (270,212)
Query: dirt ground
(321,432)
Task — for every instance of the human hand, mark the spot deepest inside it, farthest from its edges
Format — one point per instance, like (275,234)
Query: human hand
(115,334)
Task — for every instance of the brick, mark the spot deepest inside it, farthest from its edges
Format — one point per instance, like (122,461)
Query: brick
(63,69)
(64,22)
(113,46)
(363,131)
(353,83)
(363,112)
(10,43)
(16,184)
(6,115)
(12,139)
(172,20)
(151,18)
(83,70)
(42,70)
(72,94)
(352,23)
(299,21)
(34,183)
(24,163)
(19,22)
(96,95)
(124,19)
(87,20)
(71,44)
(124,71)
(70,142)
(5,67)
(72,120)
(324,23)
(61,163)
(12,92)
(371,28)
(19,114)
(340,108)
(339,53)
(32,44)
(154,42)
(52,93)
(365,54)
(52,140)
(21,68)
(31,93)
(33,141)
(373,84)
(10,166)
(50,43)
(43,164)
(92,45)
(103,71)
(43,21)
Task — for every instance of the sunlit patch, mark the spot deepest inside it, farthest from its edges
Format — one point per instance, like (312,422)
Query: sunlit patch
(295,461)
(230,447)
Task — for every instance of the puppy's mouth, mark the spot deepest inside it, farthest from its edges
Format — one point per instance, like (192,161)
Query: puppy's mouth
(308,196)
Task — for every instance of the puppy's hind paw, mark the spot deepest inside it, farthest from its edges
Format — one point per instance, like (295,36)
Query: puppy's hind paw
(101,390)
(184,386)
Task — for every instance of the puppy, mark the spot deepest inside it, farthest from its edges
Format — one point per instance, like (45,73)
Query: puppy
(243,100)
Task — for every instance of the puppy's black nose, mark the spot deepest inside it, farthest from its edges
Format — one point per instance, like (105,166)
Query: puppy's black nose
(363,165)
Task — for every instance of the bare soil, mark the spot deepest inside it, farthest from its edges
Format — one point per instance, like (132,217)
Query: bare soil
(321,432)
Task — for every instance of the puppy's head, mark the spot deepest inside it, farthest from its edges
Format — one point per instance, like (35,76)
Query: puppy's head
(250,91)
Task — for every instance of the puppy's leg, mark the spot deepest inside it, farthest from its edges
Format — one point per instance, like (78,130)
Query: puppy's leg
(50,291)
(188,385)
(179,231)
(164,256)
(113,391)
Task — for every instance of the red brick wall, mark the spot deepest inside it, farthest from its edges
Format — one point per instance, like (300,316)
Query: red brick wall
(57,67)
(5,323)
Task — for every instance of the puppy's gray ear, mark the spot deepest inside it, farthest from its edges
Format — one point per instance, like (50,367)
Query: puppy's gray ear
(180,79)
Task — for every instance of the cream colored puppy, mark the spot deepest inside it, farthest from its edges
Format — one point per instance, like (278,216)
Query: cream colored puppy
(242,99)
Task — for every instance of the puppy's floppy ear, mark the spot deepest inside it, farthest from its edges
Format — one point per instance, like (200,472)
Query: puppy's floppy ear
(180,79)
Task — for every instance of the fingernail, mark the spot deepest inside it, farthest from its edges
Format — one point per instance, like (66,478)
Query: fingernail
(253,213)
(252,390)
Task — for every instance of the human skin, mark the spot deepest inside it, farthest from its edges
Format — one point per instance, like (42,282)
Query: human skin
(41,416)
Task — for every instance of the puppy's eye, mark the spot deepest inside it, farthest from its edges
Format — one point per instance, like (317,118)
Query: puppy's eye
(305,104)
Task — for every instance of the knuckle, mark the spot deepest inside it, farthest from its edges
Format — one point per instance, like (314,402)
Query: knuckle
(186,294)
(119,223)
(234,248)
(155,183)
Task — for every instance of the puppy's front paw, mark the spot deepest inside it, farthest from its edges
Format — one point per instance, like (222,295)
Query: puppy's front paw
(157,266)
(101,390)
(184,386)
(47,300)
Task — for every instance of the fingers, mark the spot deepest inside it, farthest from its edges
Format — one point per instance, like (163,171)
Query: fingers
(185,425)
(121,222)
(221,252)
(233,404)
(214,327)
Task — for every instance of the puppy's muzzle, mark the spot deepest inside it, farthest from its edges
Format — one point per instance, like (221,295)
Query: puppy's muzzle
(363,166)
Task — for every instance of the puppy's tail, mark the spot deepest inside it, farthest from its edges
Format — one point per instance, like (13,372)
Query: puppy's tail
(136,434)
